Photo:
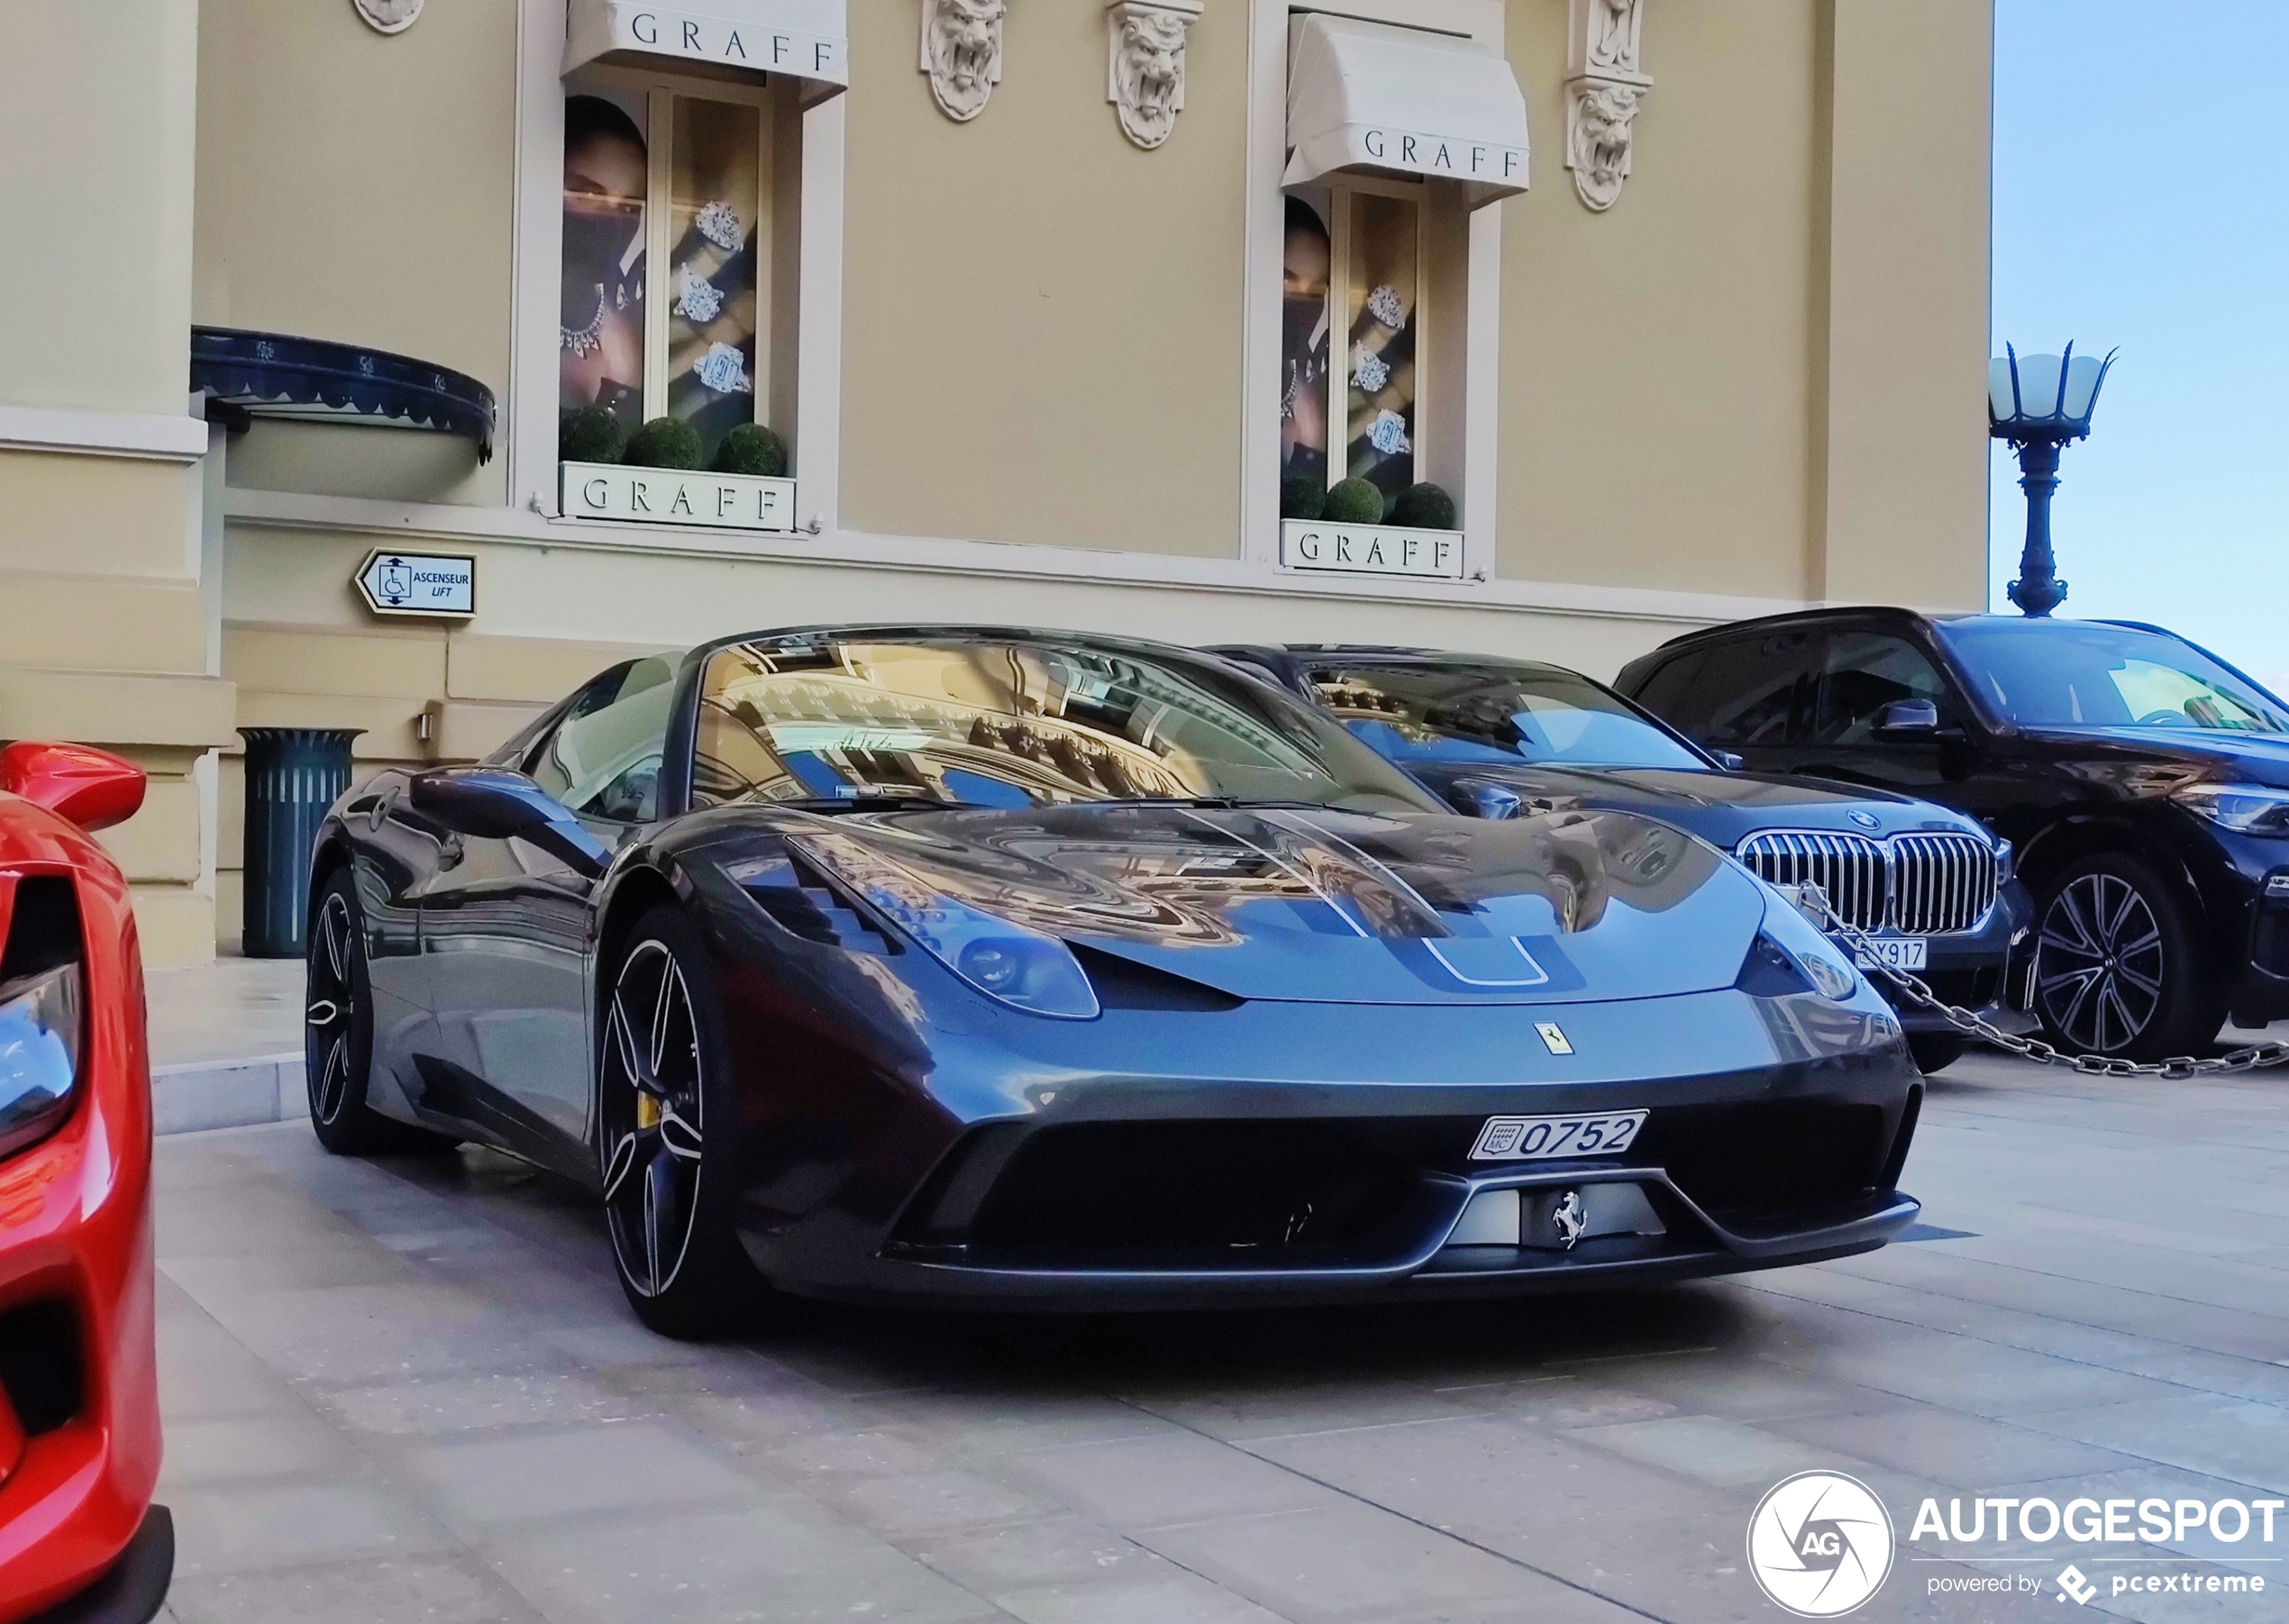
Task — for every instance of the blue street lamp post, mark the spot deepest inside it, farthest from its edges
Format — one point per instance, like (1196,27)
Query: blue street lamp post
(2039,403)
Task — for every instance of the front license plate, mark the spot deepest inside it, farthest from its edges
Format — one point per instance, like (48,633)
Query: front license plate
(1540,1139)
(1892,952)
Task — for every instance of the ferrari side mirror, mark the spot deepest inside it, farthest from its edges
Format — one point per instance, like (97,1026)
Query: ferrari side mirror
(1483,797)
(91,788)
(1731,760)
(491,803)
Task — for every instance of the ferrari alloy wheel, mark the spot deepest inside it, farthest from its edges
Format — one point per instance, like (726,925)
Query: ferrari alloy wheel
(2116,970)
(338,1032)
(336,1010)
(680,1265)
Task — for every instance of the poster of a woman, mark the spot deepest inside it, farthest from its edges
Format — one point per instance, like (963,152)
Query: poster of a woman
(1306,322)
(600,332)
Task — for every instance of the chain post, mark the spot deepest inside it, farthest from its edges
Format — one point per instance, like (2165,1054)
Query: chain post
(2178,1068)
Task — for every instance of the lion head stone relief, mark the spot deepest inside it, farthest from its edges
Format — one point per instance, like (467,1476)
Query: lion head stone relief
(1147,77)
(962,53)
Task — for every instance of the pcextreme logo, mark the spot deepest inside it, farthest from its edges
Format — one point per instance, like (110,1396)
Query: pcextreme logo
(1820,1544)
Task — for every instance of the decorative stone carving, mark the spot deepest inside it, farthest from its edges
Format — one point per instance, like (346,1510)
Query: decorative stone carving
(1145,74)
(1606,83)
(389,16)
(962,53)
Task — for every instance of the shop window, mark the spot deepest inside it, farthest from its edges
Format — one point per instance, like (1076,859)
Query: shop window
(1399,143)
(668,299)
(1354,344)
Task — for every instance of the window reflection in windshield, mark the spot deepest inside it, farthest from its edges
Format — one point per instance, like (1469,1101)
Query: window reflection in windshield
(1492,710)
(1011,721)
(2084,674)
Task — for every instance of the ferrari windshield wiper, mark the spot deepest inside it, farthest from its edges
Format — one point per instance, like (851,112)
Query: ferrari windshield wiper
(871,803)
(1214,803)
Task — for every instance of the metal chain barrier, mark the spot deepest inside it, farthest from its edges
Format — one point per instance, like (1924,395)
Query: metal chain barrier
(2034,1048)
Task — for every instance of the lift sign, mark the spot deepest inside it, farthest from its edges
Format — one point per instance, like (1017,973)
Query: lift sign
(419,583)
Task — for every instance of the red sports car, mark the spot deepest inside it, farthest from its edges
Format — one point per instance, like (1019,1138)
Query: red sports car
(79,1444)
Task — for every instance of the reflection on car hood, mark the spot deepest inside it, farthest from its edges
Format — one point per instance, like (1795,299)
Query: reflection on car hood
(2256,758)
(1326,905)
(1722,808)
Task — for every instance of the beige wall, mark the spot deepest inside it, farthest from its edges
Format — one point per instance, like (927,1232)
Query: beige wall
(359,187)
(102,623)
(1903,506)
(1041,323)
(96,111)
(1657,357)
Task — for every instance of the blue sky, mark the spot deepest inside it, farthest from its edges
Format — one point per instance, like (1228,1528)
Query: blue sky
(2142,200)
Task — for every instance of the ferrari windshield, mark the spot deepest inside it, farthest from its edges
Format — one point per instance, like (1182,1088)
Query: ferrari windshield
(1014,719)
(2065,674)
(1428,712)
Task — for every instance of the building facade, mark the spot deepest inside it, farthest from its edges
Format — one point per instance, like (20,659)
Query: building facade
(1632,316)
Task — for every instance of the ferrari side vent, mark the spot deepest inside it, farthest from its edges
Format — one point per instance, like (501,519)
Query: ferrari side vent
(39,1365)
(1125,984)
(800,900)
(42,928)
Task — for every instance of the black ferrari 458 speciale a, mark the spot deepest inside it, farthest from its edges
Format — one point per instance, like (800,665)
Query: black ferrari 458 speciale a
(998,966)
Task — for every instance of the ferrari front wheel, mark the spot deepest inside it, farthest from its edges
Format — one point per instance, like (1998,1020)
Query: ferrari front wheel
(663,1089)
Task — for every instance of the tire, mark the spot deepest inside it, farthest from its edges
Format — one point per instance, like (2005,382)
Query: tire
(2118,968)
(1936,1050)
(663,1076)
(338,1032)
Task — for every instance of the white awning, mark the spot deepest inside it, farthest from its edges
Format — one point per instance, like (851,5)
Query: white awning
(809,39)
(1368,96)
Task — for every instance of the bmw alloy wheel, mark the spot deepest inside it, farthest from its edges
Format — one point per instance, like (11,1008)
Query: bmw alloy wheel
(2100,963)
(653,1118)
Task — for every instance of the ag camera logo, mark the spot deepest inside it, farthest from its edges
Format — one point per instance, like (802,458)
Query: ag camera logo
(1820,1544)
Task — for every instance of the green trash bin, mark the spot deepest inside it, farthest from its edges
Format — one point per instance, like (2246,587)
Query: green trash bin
(293,774)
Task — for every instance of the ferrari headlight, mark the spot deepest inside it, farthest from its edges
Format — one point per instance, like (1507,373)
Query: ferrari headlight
(1024,968)
(2247,808)
(1821,961)
(40,1039)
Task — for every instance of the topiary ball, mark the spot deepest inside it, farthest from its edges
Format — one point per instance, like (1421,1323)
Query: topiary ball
(1425,506)
(1302,497)
(664,442)
(1353,502)
(591,434)
(751,449)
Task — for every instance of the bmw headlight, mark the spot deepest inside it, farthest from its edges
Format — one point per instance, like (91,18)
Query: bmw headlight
(2246,808)
(1823,963)
(40,1026)
(2004,858)
(1013,963)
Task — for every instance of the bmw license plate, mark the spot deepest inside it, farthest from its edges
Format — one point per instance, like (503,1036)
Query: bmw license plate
(1892,952)
(1541,1138)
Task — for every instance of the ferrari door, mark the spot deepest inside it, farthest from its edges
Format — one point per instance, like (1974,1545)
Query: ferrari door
(506,933)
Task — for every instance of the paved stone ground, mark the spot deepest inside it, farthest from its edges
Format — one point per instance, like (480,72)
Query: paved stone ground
(411,1390)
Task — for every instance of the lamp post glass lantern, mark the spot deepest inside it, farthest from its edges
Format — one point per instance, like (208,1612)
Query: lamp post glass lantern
(2039,403)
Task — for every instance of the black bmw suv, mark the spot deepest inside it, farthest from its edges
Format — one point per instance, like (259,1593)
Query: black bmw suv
(2143,782)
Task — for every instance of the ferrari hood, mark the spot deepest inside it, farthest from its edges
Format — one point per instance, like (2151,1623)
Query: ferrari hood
(1320,905)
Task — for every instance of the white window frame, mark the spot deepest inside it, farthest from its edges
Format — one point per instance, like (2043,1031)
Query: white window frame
(1482,21)
(537,252)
